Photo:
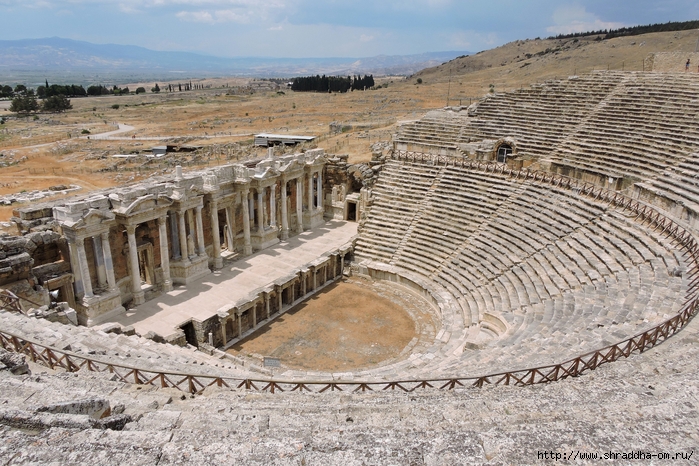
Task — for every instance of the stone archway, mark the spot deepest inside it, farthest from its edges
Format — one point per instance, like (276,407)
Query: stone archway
(503,152)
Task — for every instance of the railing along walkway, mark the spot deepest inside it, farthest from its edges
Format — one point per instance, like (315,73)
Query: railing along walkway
(60,359)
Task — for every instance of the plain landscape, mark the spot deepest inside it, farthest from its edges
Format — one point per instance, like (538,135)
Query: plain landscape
(222,114)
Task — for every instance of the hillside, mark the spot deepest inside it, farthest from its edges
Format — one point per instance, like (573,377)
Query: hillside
(523,62)
(229,110)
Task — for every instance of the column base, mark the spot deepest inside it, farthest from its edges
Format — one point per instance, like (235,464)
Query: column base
(285,235)
(313,219)
(139,297)
(167,286)
(99,308)
(185,272)
(247,250)
(264,239)
(218,262)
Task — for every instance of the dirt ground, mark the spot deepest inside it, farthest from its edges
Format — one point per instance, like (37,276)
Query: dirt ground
(348,326)
(39,151)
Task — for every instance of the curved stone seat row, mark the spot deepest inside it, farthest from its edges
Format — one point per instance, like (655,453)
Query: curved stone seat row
(531,273)
(118,348)
(620,405)
(609,124)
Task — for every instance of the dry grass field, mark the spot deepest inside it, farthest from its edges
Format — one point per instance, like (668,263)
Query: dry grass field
(40,151)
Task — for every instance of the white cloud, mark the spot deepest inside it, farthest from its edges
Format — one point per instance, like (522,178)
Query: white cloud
(366,38)
(196,16)
(218,16)
(574,18)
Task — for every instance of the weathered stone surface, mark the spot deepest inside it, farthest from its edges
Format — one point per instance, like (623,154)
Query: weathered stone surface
(13,362)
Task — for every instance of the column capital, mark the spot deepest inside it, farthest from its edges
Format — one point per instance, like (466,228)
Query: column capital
(130,229)
(162,220)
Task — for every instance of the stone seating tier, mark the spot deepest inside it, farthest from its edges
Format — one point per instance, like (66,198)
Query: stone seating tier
(611,124)
(556,266)
(459,426)
(118,348)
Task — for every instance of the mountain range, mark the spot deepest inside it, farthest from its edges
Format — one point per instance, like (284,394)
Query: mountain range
(58,56)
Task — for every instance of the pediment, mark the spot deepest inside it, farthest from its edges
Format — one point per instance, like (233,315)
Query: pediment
(147,203)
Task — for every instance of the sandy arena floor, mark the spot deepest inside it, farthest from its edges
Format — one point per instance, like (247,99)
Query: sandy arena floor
(350,325)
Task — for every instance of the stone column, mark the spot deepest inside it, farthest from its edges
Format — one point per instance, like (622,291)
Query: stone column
(260,210)
(247,248)
(138,295)
(108,263)
(176,254)
(201,249)
(99,261)
(315,278)
(240,324)
(251,208)
(310,192)
(230,229)
(320,189)
(191,246)
(285,214)
(218,261)
(273,206)
(222,318)
(84,270)
(164,253)
(304,279)
(299,204)
(267,304)
(183,236)
(75,268)
(254,315)
(280,292)
(342,264)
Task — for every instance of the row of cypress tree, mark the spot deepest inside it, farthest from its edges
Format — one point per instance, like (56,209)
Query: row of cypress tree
(324,83)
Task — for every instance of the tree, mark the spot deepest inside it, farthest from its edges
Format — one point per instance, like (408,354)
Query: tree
(20,88)
(24,104)
(56,104)
(155,88)
(141,90)
(6,91)
(97,90)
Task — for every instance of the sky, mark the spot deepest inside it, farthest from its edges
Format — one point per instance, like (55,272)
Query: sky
(331,28)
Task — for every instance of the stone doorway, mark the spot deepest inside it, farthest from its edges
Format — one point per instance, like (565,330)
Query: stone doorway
(351,211)
(190,334)
(504,151)
(146,264)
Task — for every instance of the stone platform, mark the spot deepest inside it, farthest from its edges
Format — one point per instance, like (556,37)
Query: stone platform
(203,297)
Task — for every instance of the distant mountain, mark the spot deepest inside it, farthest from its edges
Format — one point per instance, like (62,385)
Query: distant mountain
(59,56)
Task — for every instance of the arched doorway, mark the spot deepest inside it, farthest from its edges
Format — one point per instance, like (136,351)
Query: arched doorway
(504,151)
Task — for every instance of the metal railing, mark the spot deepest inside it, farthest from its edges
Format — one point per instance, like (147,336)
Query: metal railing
(196,383)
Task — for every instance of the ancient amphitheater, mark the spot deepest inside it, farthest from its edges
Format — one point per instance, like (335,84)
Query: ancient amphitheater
(550,231)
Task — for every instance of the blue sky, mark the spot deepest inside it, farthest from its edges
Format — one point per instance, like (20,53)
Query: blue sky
(305,28)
